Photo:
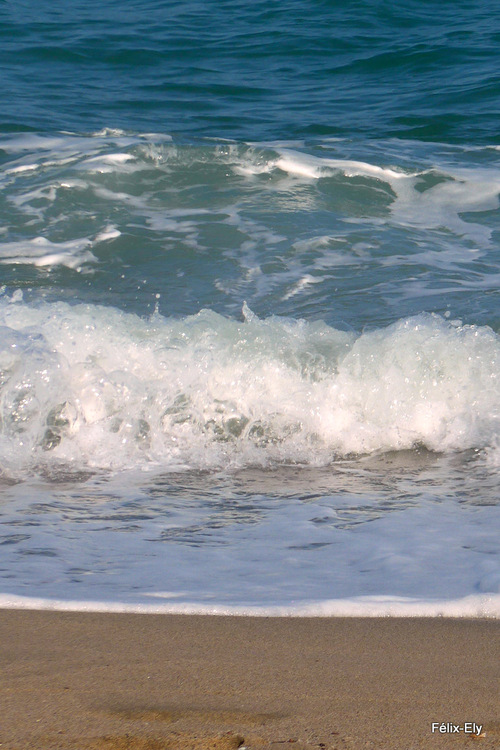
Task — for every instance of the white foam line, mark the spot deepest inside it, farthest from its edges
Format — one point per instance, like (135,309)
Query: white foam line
(295,167)
(22,168)
(314,167)
(41,252)
(472,606)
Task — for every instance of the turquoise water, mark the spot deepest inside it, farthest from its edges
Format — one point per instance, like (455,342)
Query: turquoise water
(250,303)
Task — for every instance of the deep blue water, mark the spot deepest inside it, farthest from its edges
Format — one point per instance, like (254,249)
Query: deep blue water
(263,70)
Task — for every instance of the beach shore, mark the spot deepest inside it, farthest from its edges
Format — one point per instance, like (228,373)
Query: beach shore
(156,682)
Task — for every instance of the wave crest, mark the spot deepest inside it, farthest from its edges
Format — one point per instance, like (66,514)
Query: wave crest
(102,388)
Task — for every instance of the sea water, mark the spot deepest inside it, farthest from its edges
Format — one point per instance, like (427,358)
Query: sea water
(250,307)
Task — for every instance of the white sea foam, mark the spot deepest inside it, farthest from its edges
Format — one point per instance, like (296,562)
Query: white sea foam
(103,388)
(417,202)
(108,233)
(66,141)
(471,606)
(109,163)
(65,178)
(41,252)
(306,165)
(23,168)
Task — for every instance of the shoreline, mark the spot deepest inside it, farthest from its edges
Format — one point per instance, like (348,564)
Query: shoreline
(471,606)
(110,681)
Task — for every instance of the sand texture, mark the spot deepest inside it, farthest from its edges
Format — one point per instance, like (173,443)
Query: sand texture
(84,681)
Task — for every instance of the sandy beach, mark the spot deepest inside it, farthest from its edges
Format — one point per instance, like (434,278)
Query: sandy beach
(146,682)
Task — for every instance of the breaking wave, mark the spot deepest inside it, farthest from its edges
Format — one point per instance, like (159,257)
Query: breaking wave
(93,386)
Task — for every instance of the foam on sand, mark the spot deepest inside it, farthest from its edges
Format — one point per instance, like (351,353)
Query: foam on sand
(472,606)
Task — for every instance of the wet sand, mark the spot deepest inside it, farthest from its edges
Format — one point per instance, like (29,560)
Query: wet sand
(91,681)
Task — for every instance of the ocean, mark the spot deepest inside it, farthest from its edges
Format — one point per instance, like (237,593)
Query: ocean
(250,306)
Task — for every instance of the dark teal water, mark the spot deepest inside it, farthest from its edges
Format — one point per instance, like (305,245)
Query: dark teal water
(262,70)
